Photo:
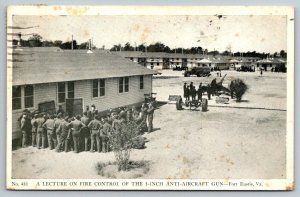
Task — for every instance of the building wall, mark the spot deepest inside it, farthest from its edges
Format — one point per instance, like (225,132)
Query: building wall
(83,89)
(112,98)
(154,65)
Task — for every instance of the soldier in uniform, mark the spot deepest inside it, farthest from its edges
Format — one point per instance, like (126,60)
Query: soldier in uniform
(34,126)
(150,113)
(199,92)
(69,144)
(105,133)
(193,91)
(40,130)
(209,91)
(186,92)
(93,111)
(94,127)
(49,126)
(60,110)
(25,128)
(64,130)
(142,120)
(85,130)
(57,122)
(77,125)
(44,133)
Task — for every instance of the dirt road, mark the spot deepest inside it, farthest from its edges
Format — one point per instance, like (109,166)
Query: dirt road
(220,143)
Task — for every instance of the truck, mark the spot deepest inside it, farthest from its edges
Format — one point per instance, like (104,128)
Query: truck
(198,71)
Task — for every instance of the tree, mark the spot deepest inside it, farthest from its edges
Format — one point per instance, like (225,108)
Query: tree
(238,88)
(84,45)
(68,45)
(122,141)
(128,47)
(116,48)
(157,47)
(35,40)
(283,54)
(47,43)
(141,47)
(57,43)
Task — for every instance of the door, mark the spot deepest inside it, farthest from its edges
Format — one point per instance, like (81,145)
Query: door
(74,106)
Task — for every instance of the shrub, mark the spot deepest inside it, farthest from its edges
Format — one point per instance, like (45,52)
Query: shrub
(238,88)
(122,142)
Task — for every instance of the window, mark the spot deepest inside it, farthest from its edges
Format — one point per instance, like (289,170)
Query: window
(141,82)
(28,96)
(16,97)
(22,92)
(126,84)
(98,87)
(157,64)
(95,88)
(123,84)
(102,87)
(61,91)
(71,89)
(65,90)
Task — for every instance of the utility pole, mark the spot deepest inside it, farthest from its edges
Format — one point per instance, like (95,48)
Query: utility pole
(72,47)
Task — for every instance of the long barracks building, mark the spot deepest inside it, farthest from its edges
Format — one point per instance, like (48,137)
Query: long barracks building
(45,78)
(162,60)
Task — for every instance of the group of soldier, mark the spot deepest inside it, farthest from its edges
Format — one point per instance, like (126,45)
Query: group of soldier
(190,92)
(90,132)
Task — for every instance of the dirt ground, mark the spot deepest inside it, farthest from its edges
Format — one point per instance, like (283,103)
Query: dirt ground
(224,142)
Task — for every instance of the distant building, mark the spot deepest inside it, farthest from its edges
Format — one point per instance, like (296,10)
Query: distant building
(273,64)
(44,79)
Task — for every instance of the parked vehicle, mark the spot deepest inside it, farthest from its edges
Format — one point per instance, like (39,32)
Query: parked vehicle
(198,71)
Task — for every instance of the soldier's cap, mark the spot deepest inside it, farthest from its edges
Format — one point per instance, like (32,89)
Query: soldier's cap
(93,105)
(36,115)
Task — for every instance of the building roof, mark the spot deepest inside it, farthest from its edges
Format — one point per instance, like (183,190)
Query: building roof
(128,53)
(272,61)
(32,66)
(204,61)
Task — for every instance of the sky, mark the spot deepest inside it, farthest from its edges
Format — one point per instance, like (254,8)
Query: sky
(236,33)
